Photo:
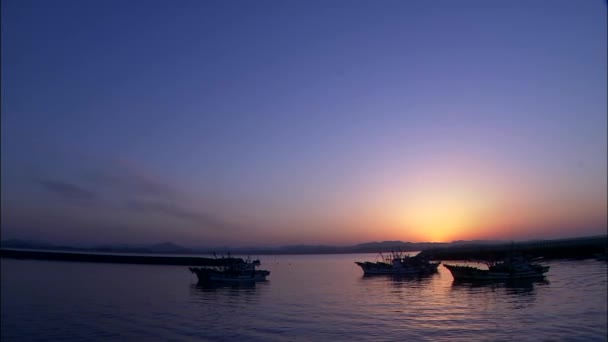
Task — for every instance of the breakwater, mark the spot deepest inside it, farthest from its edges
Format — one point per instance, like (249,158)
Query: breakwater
(117,258)
(580,248)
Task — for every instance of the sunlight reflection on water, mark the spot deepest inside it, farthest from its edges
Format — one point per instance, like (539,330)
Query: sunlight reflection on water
(312,297)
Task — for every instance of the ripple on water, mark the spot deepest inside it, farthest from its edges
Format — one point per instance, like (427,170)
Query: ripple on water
(306,298)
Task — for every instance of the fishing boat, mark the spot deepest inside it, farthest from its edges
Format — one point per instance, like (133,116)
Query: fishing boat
(510,268)
(231,270)
(398,263)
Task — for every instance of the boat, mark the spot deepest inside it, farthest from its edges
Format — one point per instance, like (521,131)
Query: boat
(230,270)
(398,263)
(509,268)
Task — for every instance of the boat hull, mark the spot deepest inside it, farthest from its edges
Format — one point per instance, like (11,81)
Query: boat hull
(371,268)
(468,273)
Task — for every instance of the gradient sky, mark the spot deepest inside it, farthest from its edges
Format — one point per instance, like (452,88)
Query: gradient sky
(247,123)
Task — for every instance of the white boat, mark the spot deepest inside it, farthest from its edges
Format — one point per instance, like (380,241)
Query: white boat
(232,271)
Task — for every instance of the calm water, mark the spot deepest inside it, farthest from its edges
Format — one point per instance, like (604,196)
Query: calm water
(310,298)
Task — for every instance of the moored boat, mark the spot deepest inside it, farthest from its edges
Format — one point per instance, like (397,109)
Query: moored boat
(399,264)
(511,268)
(234,271)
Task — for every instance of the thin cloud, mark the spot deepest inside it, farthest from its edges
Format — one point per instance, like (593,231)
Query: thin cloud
(68,191)
(125,186)
(174,210)
(128,177)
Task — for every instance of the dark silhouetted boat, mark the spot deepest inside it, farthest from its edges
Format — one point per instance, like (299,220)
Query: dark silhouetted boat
(230,270)
(398,263)
(510,268)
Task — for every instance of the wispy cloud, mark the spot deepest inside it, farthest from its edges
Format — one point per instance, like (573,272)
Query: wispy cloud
(69,191)
(127,186)
(126,176)
(177,211)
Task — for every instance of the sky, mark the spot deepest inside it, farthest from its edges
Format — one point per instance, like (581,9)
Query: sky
(264,123)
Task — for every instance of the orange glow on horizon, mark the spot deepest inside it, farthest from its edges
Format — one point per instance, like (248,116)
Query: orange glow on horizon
(443,212)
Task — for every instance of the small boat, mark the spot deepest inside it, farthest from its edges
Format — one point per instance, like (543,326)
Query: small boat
(231,270)
(400,264)
(510,268)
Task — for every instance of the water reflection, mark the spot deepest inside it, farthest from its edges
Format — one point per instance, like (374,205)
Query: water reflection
(214,291)
(232,287)
(400,280)
(510,287)
(312,298)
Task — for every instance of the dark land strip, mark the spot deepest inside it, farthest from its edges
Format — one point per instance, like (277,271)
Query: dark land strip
(117,259)
(581,248)
(578,248)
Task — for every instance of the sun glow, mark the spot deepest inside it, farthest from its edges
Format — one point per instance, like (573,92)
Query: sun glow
(444,215)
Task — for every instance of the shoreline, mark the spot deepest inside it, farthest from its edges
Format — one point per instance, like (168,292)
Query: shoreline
(584,248)
(592,247)
(115,258)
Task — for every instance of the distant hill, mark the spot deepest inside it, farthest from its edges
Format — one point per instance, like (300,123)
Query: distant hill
(160,248)
(27,244)
(172,248)
(385,246)
(575,248)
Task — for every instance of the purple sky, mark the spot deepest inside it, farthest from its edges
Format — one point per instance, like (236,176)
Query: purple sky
(279,122)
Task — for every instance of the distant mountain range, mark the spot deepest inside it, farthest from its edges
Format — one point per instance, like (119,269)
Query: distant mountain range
(172,248)
(582,247)
(164,248)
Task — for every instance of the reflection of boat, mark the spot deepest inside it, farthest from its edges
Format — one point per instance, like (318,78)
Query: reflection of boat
(602,256)
(523,286)
(226,287)
(400,264)
(232,270)
(511,268)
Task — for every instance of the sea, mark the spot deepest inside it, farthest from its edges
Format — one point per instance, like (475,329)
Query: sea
(306,298)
